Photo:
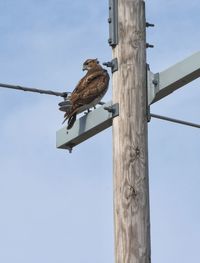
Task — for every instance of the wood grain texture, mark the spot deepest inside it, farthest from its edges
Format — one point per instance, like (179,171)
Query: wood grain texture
(130,161)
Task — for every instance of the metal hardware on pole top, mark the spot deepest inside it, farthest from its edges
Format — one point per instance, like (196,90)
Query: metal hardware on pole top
(149,24)
(113,64)
(113,23)
(149,45)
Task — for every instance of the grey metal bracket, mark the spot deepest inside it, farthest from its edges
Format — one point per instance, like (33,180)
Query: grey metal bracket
(164,83)
(113,64)
(87,126)
(153,85)
(113,23)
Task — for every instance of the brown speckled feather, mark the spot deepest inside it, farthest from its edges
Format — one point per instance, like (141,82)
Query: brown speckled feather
(90,89)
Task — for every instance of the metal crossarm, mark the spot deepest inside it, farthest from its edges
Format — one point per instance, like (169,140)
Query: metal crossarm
(87,126)
(163,83)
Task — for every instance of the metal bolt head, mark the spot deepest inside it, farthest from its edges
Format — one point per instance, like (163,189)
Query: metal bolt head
(149,24)
(155,82)
(149,45)
(110,41)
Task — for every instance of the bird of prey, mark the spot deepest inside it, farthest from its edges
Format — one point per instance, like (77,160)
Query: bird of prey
(89,91)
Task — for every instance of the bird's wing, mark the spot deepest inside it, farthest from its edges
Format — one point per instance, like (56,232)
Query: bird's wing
(88,89)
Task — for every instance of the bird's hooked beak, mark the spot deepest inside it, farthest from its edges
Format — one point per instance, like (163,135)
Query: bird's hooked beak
(84,67)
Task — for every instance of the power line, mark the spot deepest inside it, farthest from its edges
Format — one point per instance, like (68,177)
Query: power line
(41,91)
(65,94)
(48,92)
(175,120)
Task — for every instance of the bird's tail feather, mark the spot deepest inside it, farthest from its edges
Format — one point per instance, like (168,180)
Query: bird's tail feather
(64,120)
(71,121)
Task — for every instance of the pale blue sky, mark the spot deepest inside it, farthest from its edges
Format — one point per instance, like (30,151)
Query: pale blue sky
(57,207)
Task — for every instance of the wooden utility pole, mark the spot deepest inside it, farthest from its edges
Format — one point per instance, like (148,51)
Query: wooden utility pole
(128,115)
(130,158)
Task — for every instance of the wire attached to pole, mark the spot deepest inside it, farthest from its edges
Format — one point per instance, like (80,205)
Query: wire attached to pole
(41,91)
(175,120)
(48,92)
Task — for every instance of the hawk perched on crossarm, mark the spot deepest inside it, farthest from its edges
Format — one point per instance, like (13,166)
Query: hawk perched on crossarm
(89,91)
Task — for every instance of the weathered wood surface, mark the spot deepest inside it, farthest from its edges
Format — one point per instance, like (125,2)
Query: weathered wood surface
(130,161)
